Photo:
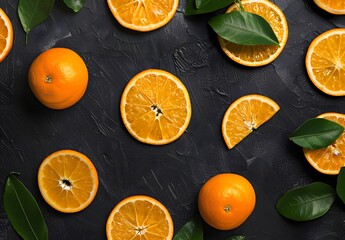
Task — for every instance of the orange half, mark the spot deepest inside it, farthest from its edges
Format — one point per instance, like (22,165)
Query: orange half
(332,6)
(6,35)
(139,218)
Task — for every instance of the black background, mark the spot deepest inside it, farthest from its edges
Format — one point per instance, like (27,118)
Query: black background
(174,173)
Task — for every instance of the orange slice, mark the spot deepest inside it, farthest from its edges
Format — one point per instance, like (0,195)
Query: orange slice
(68,181)
(155,107)
(329,160)
(332,6)
(143,15)
(139,218)
(325,62)
(6,35)
(259,55)
(244,115)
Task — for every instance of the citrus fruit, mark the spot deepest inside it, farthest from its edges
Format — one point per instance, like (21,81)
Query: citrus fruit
(155,107)
(68,181)
(258,55)
(332,6)
(143,15)
(329,160)
(244,115)
(226,200)
(325,62)
(139,217)
(6,35)
(58,78)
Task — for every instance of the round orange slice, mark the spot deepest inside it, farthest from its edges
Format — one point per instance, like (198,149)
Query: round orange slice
(331,159)
(68,181)
(332,6)
(139,217)
(325,62)
(143,15)
(155,107)
(259,55)
(6,35)
(246,114)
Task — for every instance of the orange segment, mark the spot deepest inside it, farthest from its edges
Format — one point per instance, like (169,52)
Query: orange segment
(139,217)
(332,6)
(244,115)
(6,35)
(325,62)
(68,181)
(143,15)
(259,55)
(155,107)
(329,160)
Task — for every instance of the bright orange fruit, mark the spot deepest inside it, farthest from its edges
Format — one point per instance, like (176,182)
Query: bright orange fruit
(332,6)
(6,35)
(68,181)
(155,107)
(58,78)
(139,218)
(258,55)
(331,159)
(143,15)
(246,114)
(226,200)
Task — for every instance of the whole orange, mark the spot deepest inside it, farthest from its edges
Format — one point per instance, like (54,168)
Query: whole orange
(58,78)
(226,201)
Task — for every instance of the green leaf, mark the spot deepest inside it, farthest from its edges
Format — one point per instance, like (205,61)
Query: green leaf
(33,12)
(75,5)
(23,211)
(192,230)
(244,28)
(307,203)
(316,133)
(205,6)
(341,184)
(237,238)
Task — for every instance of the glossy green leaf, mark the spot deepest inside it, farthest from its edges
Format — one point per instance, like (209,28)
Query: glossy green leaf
(205,6)
(308,202)
(192,230)
(236,238)
(341,184)
(244,28)
(316,133)
(33,12)
(75,5)
(23,211)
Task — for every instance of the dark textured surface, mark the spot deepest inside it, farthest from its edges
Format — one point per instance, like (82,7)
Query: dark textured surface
(173,174)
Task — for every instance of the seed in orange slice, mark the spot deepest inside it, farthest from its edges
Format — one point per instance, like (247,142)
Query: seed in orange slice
(143,15)
(6,35)
(259,55)
(68,181)
(332,6)
(138,218)
(155,107)
(325,62)
(331,159)
(246,114)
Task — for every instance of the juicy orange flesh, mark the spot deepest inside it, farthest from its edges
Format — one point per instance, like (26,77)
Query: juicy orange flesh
(156,108)
(331,158)
(140,220)
(3,35)
(260,52)
(143,12)
(246,116)
(328,62)
(338,5)
(76,172)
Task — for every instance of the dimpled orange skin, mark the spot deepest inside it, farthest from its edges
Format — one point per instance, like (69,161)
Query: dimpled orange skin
(58,78)
(226,200)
